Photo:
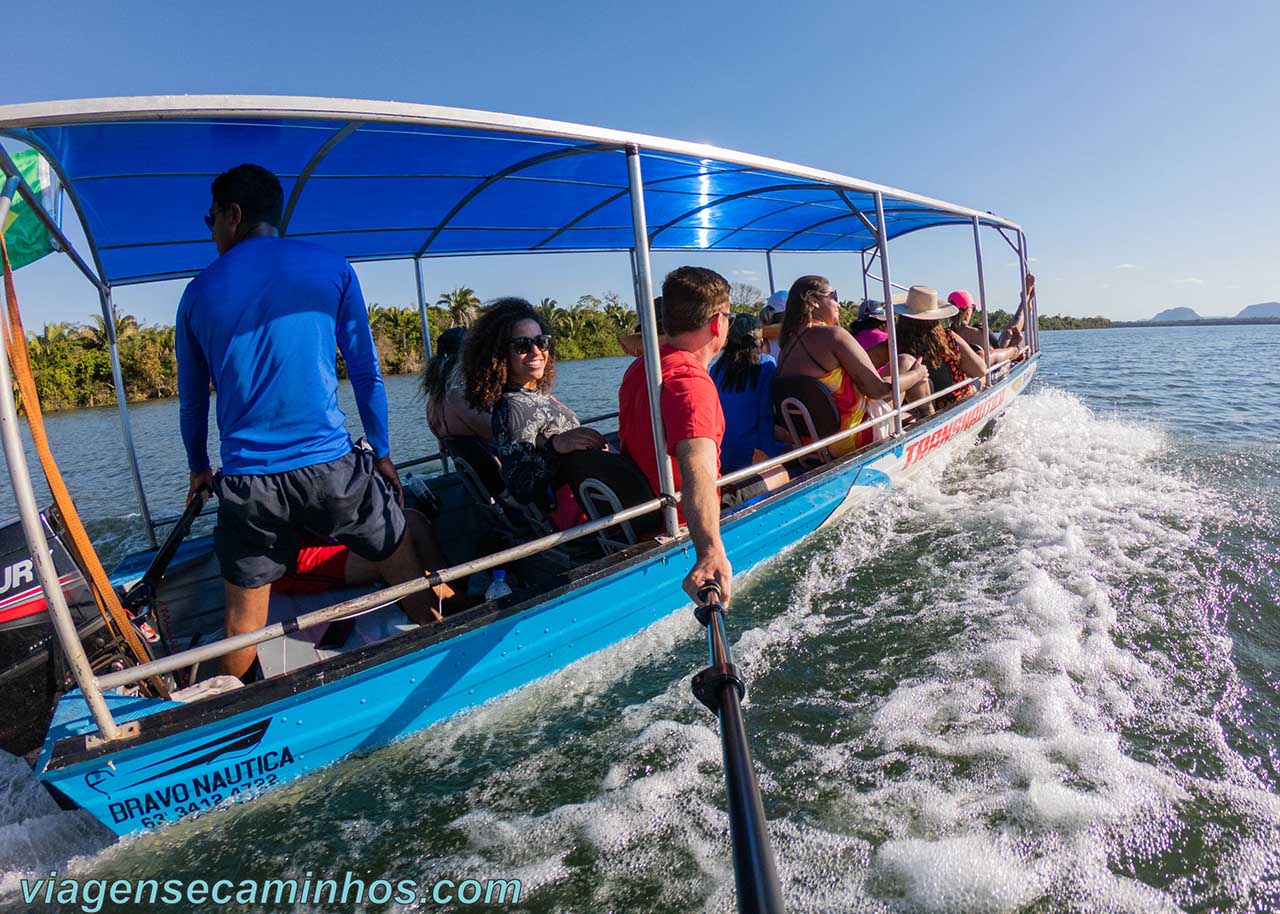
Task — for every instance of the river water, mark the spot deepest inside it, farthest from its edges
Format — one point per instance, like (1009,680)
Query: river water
(1042,678)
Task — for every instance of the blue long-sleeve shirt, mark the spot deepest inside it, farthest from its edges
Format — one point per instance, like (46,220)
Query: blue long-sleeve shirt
(262,322)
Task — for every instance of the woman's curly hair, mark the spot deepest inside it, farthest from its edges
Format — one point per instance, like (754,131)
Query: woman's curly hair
(485,353)
(926,340)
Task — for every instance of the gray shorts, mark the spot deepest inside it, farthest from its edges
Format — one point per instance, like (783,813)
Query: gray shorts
(261,517)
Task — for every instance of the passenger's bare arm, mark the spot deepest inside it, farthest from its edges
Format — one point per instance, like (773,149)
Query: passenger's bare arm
(701,506)
(970,361)
(857,365)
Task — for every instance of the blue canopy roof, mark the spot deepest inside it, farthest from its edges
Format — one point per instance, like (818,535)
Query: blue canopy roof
(384,180)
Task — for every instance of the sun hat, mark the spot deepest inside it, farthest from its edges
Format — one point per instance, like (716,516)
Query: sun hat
(962,299)
(771,313)
(921,304)
(871,308)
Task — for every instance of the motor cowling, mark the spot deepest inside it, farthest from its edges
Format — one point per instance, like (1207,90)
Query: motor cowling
(33,671)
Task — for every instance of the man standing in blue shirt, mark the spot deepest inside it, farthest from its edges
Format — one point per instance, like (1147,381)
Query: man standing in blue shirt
(263,323)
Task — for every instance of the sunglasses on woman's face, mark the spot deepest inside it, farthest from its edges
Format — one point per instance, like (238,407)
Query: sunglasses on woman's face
(523,345)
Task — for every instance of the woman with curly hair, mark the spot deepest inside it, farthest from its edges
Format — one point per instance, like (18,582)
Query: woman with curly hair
(508,367)
(922,332)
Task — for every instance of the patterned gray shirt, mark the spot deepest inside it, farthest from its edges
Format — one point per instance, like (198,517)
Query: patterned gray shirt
(524,421)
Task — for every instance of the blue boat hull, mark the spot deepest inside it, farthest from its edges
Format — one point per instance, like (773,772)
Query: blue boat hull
(179,759)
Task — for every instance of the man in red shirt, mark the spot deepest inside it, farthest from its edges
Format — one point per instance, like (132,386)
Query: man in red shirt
(696,315)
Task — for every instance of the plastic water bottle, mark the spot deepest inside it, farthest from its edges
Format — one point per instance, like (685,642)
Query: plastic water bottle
(498,587)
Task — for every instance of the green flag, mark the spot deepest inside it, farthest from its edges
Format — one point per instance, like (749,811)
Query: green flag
(24,233)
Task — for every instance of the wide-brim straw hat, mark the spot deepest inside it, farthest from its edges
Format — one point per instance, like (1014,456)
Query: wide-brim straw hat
(921,303)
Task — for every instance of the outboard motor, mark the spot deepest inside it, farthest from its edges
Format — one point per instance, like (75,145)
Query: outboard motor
(33,670)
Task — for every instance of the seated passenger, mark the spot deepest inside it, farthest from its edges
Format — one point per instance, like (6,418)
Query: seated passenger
(696,315)
(448,413)
(633,343)
(743,377)
(771,318)
(869,329)
(973,335)
(815,346)
(509,368)
(323,563)
(949,359)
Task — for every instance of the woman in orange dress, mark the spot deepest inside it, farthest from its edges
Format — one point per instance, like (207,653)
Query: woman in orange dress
(814,345)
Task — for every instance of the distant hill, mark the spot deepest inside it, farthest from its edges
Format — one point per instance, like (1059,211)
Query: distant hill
(1262,309)
(1180,314)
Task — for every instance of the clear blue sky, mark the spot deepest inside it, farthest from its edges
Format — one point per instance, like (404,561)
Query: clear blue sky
(1137,143)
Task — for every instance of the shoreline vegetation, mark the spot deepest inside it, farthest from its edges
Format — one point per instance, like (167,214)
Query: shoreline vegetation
(72,362)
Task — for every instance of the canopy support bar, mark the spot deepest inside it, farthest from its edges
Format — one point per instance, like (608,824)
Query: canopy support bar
(720,201)
(857,212)
(422,308)
(126,431)
(325,148)
(982,298)
(809,228)
(33,200)
(507,172)
(865,292)
(882,237)
(649,336)
(33,530)
(768,262)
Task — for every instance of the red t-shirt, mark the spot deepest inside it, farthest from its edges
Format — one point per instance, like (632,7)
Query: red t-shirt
(690,409)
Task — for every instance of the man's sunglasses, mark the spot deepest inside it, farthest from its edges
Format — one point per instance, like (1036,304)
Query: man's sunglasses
(523,345)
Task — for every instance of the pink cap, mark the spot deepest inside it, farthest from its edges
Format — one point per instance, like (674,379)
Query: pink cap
(961,299)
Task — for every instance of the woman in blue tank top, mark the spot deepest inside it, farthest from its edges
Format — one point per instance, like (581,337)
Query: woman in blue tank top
(743,375)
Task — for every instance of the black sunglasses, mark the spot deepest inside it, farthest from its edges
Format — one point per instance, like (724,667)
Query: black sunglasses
(209,217)
(523,345)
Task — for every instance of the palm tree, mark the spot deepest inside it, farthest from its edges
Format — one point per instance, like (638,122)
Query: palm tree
(51,337)
(622,317)
(461,304)
(126,325)
(553,314)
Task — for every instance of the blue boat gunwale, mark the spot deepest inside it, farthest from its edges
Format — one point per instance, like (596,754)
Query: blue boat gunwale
(71,751)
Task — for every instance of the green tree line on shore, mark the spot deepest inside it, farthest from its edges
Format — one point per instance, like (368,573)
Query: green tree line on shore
(72,362)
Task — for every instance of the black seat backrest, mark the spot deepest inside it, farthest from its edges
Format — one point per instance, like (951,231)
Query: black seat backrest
(605,482)
(805,407)
(476,462)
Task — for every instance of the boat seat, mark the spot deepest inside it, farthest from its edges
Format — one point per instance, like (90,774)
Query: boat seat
(478,466)
(481,473)
(805,408)
(604,483)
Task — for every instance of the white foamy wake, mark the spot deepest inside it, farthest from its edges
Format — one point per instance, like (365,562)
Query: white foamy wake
(996,774)
(35,835)
(1006,749)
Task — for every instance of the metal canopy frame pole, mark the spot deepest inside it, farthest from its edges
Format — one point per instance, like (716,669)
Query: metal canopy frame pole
(649,336)
(33,200)
(768,262)
(982,297)
(635,279)
(866,292)
(126,430)
(422,309)
(33,530)
(1030,321)
(882,241)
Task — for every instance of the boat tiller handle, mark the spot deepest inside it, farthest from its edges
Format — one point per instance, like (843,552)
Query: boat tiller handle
(144,591)
(721,688)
